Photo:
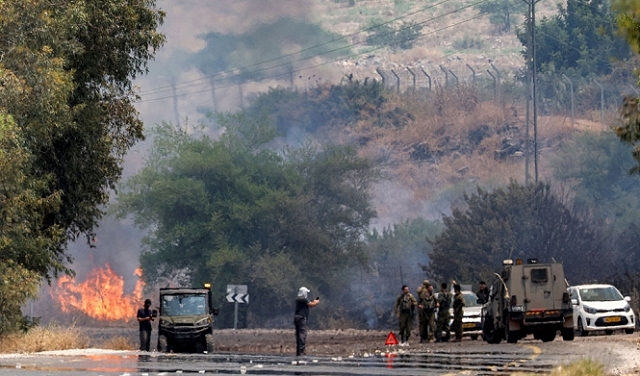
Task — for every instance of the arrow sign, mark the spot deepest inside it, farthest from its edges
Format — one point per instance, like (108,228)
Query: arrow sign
(238,298)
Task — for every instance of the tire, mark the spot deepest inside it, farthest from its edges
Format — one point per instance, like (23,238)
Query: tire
(489,333)
(209,339)
(548,335)
(163,344)
(628,331)
(568,334)
(475,337)
(581,331)
(608,332)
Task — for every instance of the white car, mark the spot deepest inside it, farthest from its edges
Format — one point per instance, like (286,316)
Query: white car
(600,308)
(471,320)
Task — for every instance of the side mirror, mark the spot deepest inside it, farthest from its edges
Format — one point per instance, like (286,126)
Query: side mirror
(574,301)
(627,298)
(215,311)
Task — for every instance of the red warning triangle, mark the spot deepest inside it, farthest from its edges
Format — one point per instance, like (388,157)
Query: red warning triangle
(391,339)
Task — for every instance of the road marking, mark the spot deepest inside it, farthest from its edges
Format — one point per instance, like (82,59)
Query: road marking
(536,351)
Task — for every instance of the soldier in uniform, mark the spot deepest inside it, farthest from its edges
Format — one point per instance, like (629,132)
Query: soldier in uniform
(426,309)
(430,304)
(421,315)
(458,311)
(405,305)
(442,325)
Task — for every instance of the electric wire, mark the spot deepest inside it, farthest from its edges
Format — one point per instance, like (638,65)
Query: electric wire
(368,51)
(169,87)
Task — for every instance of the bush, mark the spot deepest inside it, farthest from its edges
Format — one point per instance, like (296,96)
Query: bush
(44,338)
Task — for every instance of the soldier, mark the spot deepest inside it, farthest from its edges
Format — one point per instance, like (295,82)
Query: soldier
(421,316)
(405,305)
(426,309)
(483,293)
(458,312)
(444,302)
(430,309)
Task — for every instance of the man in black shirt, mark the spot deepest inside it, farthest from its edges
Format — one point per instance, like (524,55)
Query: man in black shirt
(483,293)
(300,319)
(144,319)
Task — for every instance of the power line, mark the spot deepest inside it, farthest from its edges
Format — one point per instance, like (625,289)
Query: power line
(166,88)
(334,50)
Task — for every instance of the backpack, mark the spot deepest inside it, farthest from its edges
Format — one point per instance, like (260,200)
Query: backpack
(405,303)
(446,301)
(429,305)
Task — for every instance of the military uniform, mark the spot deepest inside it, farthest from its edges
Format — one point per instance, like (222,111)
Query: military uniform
(458,312)
(442,325)
(422,318)
(427,312)
(405,305)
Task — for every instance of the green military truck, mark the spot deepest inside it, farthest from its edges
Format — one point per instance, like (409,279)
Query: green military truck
(186,319)
(527,299)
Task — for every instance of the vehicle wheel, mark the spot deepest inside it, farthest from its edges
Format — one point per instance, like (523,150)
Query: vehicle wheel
(581,331)
(548,335)
(568,334)
(608,332)
(475,336)
(628,331)
(163,345)
(200,346)
(489,333)
(209,339)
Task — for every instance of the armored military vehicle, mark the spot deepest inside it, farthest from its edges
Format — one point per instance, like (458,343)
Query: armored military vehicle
(527,299)
(186,319)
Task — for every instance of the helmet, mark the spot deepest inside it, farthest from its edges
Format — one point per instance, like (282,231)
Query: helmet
(426,282)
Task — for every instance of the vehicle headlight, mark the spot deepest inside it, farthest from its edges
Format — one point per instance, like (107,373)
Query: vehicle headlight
(627,308)
(204,321)
(164,323)
(588,309)
(517,308)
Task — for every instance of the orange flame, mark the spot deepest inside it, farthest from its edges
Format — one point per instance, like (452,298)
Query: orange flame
(101,295)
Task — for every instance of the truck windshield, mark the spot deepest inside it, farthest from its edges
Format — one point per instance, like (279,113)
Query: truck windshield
(600,294)
(184,305)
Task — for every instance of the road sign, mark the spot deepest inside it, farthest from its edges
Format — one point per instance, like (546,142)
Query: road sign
(237,289)
(238,298)
(237,294)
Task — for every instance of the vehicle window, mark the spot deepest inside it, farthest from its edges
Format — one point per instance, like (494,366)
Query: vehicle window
(539,275)
(470,299)
(184,305)
(600,294)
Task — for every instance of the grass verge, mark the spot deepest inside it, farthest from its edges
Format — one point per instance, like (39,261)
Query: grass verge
(44,338)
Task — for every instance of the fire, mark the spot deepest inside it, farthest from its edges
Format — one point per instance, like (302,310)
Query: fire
(101,295)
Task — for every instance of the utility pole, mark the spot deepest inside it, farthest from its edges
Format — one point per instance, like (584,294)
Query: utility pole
(534,93)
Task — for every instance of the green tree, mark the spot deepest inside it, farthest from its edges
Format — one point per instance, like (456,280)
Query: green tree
(501,12)
(21,208)
(594,167)
(233,211)
(16,286)
(581,39)
(402,37)
(513,222)
(628,128)
(71,67)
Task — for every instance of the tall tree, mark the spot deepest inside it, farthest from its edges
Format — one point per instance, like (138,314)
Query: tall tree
(580,39)
(72,66)
(233,211)
(628,129)
(513,222)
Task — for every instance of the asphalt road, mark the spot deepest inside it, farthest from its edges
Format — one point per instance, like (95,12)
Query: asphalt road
(619,353)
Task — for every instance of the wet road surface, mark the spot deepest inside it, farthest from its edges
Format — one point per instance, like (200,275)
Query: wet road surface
(466,358)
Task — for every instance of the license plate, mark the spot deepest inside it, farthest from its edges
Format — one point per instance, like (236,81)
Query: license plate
(612,319)
(469,325)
